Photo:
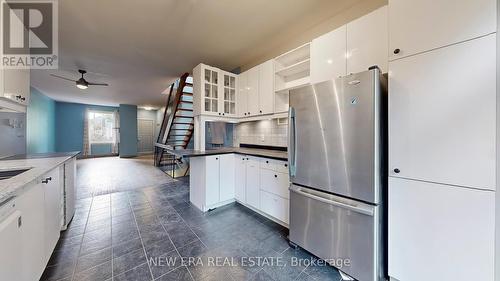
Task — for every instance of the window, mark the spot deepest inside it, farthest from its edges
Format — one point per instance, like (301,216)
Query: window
(101,125)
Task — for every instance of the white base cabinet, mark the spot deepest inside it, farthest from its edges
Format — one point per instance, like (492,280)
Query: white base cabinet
(11,243)
(253,182)
(29,228)
(212,181)
(34,250)
(52,190)
(256,182)
(440,232)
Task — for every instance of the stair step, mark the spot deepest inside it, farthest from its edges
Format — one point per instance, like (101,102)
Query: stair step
(187,94)
(183,116)
(184,109)
(181,123)
(186,101)
(173,129)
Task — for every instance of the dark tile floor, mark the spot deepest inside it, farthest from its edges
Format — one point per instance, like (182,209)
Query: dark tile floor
(155,234)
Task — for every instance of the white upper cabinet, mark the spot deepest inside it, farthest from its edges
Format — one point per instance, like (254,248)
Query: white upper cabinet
(253,91)
(266,87)
(15,85)
(214,91)
(242,94)
(418,26)
(228,96)
(328,56)
(442,115)
(367,42)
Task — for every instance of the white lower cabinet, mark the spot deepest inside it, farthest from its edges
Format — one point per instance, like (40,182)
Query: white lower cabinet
(274,205)
(52,190)
(440,232)
(11,242)
(211,181)
(256,182)
(274,182)
(226,177)
(240,178)
(253,182)
(34,252)
(29,228)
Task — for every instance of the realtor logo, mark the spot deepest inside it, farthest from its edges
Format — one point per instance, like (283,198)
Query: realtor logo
(29,34)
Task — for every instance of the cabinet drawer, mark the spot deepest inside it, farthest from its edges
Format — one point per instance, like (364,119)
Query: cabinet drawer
(274,182)
(274,206)
(274,165)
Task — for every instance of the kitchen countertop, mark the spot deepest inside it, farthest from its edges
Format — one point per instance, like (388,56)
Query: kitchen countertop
(41,155)
(40,164)
(267,153)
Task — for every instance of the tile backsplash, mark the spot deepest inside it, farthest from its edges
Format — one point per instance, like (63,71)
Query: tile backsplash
(272,132)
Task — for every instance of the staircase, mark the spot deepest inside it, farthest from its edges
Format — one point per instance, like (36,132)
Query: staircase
(177,127)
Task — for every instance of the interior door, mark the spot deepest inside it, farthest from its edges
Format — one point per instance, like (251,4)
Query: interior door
(145,133)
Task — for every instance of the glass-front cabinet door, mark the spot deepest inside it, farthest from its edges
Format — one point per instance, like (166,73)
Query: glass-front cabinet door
(229,94)
(210,90)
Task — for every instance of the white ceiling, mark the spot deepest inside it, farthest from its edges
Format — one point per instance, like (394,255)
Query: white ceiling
(140,47)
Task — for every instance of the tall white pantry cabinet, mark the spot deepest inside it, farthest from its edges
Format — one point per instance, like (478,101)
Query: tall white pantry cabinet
(443,145)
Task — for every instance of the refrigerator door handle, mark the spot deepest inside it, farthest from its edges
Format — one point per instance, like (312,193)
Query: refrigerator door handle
(334,200)
(292,141)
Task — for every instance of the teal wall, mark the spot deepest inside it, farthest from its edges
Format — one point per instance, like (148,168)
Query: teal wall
(69,126)
(40,123)
(128,130)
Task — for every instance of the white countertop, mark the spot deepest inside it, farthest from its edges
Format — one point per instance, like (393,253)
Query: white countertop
(15,186)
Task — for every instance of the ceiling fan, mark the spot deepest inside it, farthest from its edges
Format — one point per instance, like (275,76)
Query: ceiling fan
(81,83)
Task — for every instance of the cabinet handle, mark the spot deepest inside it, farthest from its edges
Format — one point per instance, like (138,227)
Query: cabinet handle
(19,97)
(216,158)
(267,162)
(223,113)
(275,176)
(397,51)
(47,180)
(219,113)
(19,222)
(260,111)
(245,113)
(248,113)
(397,171)
(286,165)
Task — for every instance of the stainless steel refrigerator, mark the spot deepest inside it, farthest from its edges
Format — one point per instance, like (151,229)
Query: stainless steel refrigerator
(337,148)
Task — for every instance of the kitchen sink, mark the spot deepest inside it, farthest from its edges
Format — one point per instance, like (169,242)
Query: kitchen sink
(7,174)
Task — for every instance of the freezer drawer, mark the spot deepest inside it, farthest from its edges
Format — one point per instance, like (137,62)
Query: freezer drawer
(337,230)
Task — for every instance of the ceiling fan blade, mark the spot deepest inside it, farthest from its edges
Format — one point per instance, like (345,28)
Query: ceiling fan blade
(98,84)
(60,77)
